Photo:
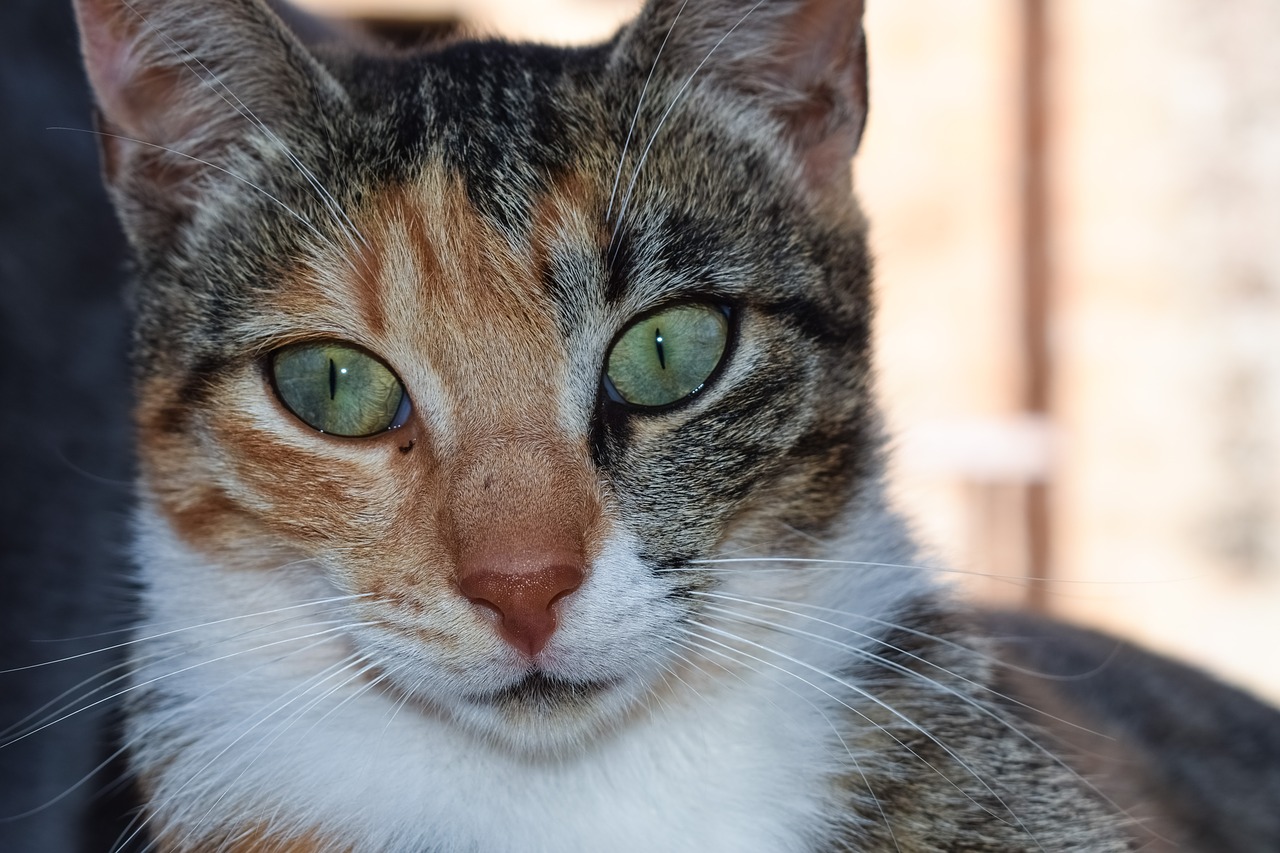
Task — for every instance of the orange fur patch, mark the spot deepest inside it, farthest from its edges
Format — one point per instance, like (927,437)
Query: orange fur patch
(460,313)
(475,312)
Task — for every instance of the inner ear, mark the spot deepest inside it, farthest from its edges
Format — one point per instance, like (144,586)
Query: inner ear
(146,129)
(139,94)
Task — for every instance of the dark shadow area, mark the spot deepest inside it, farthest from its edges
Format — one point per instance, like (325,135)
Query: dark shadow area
(66,463)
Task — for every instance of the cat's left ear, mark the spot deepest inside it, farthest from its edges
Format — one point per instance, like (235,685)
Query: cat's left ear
(804,61)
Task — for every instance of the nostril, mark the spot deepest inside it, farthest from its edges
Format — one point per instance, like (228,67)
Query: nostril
(564,593)
(562,580)
(488,607)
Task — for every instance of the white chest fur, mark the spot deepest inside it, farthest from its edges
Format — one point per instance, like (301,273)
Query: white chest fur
(695,784)
(267,725)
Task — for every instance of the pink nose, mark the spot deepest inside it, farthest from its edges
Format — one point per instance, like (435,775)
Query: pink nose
(523,589)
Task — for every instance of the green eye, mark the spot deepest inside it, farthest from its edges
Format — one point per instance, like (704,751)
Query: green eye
(665,357)
(339,389)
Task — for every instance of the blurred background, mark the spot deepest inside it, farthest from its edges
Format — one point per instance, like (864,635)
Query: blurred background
(1076,214)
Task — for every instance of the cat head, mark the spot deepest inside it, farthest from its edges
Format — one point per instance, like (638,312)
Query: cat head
(505,339)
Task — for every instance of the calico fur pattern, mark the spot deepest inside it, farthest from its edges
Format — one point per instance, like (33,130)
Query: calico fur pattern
(485,217)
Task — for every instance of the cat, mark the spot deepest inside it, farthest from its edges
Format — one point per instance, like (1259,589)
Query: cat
(510,471)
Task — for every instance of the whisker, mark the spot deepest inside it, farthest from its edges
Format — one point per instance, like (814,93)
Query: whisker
(893,666)
(60,451)
(124,748)
(949,643)
(968,700)
(870,697)
(695,691)
(179,711)
(857,766)
(744,548)
(877,659)
(644,91)
(16,729)
(655,702)
(68,791)
(365,688)
(405,695)
(157,678)
(74,707)
(170,633)
(300,690)
(16,732)
(805,535)
(263,745)
(817,563)
(158,625)
(742,654)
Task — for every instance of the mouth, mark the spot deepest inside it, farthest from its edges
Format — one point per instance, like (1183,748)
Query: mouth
(538,692)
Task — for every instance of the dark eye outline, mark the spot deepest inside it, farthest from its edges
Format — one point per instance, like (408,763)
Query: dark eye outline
(403,411)
(730,312)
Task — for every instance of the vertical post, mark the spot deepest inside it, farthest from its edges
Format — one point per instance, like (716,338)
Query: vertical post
(1035,275)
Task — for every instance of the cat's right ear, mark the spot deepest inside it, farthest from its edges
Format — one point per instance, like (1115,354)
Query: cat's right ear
(185,89)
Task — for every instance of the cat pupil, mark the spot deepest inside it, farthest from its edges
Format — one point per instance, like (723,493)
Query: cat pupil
(333,380)
(657,342)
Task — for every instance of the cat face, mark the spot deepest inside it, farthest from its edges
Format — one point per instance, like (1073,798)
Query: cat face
(504,341)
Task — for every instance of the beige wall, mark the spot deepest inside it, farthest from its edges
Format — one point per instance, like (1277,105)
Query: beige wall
(1164,455)
(1168,188)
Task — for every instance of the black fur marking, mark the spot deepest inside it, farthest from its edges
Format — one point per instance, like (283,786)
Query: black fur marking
(619,260)
(192,394)
(818,322)
(688,243)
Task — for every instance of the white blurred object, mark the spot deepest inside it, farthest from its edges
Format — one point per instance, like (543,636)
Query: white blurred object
(551,21)
(1014,449)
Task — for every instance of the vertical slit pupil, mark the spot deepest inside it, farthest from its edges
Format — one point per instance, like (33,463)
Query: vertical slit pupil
(662,356)
(333,380)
